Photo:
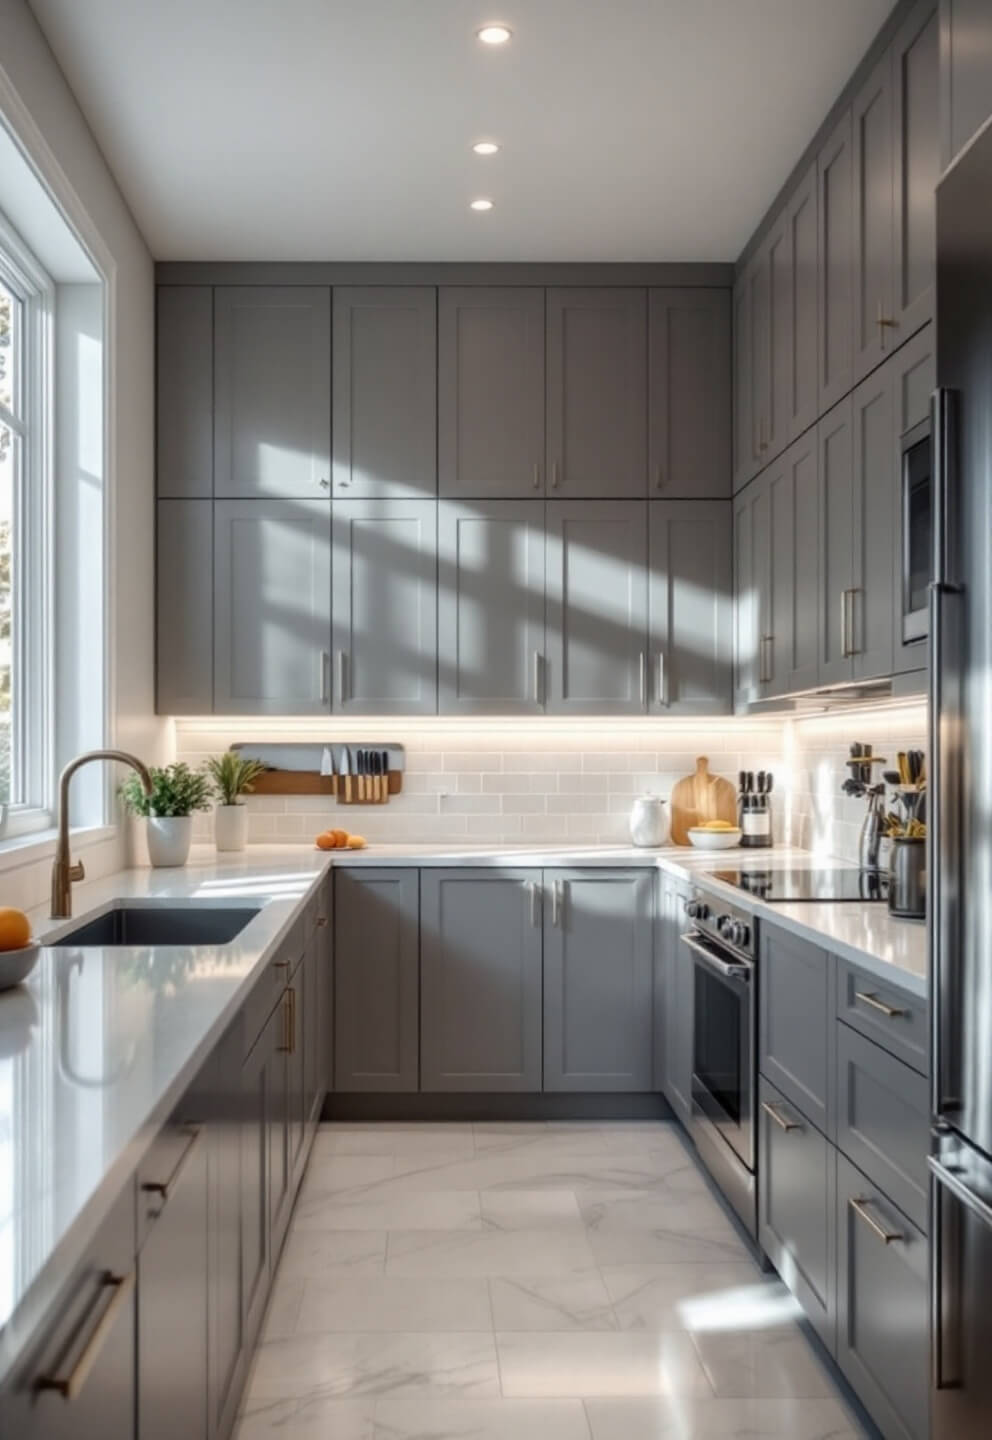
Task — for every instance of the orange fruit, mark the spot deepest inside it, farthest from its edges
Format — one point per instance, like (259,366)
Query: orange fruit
(15,928)
(356,842)
(326,841)
(340,838)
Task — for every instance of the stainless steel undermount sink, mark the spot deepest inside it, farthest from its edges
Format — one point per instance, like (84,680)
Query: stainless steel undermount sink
(195,924)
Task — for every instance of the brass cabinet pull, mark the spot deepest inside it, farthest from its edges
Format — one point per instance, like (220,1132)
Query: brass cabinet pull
(884,322)
(288,1046)
(659,478)
(554,475)
(780,1120)
(537,476)
(888,1236)
(164,1188)
(321,922)
(867,998)
(69,1386)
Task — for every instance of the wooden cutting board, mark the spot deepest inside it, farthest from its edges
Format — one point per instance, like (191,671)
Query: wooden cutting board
(700,797)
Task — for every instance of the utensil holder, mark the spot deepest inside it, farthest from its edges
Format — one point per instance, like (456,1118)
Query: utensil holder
(908,877)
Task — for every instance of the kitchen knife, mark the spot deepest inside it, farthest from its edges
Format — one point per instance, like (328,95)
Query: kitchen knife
(374,761)
(385,777)
(346,772)
(761,782)
(362,781)
(742,778)
(327,768)
(750,781)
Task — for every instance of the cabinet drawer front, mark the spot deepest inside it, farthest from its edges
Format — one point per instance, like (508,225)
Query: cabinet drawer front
(893,1018)
(883,1120)
(797,1167)
(795,1029)
(881,1306)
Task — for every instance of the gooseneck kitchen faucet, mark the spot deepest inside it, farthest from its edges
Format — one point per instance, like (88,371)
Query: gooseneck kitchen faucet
(63,871)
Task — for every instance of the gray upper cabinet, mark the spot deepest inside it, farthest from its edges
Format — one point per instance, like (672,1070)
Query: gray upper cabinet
(272,385)
(385,391)
(917,167)
(597,607)
(743,433)
(480,976)
(272,610)
(376,980)
(914,375)
(802,394)
(836,481)
(385,598)
(752,560)
(490,391)
(790,654)
(873,531)
(491,607)
(965,73)
(760,355)
(779,289)
(598,980)
(597,392)
(184,584)
(873,218)
(184,363)
(835,209)
(689,406)
(690,606)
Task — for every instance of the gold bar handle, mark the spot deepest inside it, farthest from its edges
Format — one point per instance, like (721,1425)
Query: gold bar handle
(890,1011)
(783,1124)
(554,475)
(537,476)
(164,1188)
(70,1386)
(888,1236)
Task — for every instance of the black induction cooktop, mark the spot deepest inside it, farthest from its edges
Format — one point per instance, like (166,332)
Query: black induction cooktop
(784,886)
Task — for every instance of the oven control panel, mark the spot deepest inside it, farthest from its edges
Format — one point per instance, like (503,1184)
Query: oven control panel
(722,921)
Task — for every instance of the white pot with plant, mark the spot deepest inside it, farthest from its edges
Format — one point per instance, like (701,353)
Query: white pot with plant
(177,791)
(233,777)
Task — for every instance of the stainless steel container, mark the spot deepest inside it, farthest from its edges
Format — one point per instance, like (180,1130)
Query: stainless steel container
(908,877)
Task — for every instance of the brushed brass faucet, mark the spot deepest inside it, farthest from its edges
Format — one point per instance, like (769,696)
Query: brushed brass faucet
(63,871)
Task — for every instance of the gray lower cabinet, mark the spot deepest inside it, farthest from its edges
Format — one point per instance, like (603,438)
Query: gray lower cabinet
(184,384)
(882,1311)
(261,1094)
(229,1138)
(490,397)
(317,1016)
(689,405)
(184,605)
(376,980)
(690,607)
(490,622)
(385,391)
(675,992)
(795,1024)
(835,205)
(597,392)
(272,388)
(882,1012)
(480,980)
(272,607)
(836,546)
(796,1206)
(965,73)
(598,980)
(597,607)
(385,607)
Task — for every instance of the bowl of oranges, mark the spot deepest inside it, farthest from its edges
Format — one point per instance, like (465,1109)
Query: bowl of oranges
(715,835)
(18,952)
(339,840)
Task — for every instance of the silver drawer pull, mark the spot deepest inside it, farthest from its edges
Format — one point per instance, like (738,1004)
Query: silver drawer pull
(859,1208)
(534,891)
(164,1188)
(69,1386)
(780,1120)
(869,999)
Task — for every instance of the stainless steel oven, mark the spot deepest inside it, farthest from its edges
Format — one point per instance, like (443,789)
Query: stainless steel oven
(917,531)
(723,950)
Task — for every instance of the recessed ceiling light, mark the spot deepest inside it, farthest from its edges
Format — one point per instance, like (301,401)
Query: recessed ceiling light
(485,147)
(482,204)
(494,34)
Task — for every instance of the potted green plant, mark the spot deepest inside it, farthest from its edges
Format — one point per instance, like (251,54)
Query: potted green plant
(177,791)
(233,776)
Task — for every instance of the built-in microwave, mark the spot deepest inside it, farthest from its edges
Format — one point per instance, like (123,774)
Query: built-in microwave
(917,530)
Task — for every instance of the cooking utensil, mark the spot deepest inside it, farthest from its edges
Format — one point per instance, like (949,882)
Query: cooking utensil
(700,797)
(346,773)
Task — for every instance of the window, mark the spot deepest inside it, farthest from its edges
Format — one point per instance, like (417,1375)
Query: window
(26,651)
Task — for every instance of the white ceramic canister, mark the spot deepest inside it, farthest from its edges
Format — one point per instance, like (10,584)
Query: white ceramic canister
(169,839)
(650,821)
(231,827)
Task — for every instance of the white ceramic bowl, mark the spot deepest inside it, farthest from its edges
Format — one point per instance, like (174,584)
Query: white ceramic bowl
(714,839)
(16,965)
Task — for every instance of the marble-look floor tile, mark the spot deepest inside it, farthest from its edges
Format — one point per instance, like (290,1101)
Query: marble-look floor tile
(682,1419)
(449,1210)
(641,1227)
(556,1302)
(489,1253)
(442,1141)
(716,1295)
(529,1209)
(586,1364)
(326,1365)
(283,1308)
(393,1303)
(534,1168)
(438,1417)
(321,1254)
(328,1174)
(308,1418)
(763,1365)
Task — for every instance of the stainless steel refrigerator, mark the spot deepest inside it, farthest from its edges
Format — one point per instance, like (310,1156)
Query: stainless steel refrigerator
(960,844)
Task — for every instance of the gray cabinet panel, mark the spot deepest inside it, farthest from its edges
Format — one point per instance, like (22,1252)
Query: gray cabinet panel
(491,607)
(873,218)
(689,408)
(184,385)
(780,306)
(376,980)
(914,368)
(385,391)
(760,357)
(279,1127)
(480,968)
(690,607)
(836,481)
(882,1310)
(272,385)
(598,980)
(791,658)
(260,1090)
(184,602)
(490,391)
(597,392)
(795,1028)
(227,1352)
(743,431)
(883,1120)
(965,73)
(803,387)
(752,571)
(272,607)
(835,207)
(873,529)
(917,167)
(385,606)
(796,1206)
(675,999)
(884,1013)
(597,607)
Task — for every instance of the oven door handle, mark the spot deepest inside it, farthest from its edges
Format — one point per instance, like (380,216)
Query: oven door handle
(729,970)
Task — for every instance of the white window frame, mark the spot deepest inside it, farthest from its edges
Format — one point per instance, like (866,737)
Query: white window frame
(32,601)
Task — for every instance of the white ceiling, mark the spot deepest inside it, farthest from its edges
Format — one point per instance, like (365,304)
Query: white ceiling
(341,129)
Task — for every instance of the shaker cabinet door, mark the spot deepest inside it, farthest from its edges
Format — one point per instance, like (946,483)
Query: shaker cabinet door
(836,541)
(744,457)
(874,327)
(791,648)
(184,605)
(184,384)
(690,607)
(835,214)
(752,560)
(802,393)
(874,528)
(689,405)
(915,70)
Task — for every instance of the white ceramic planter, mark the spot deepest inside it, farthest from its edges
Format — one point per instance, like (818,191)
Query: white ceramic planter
(650,822)
(169,839)
(231,827)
